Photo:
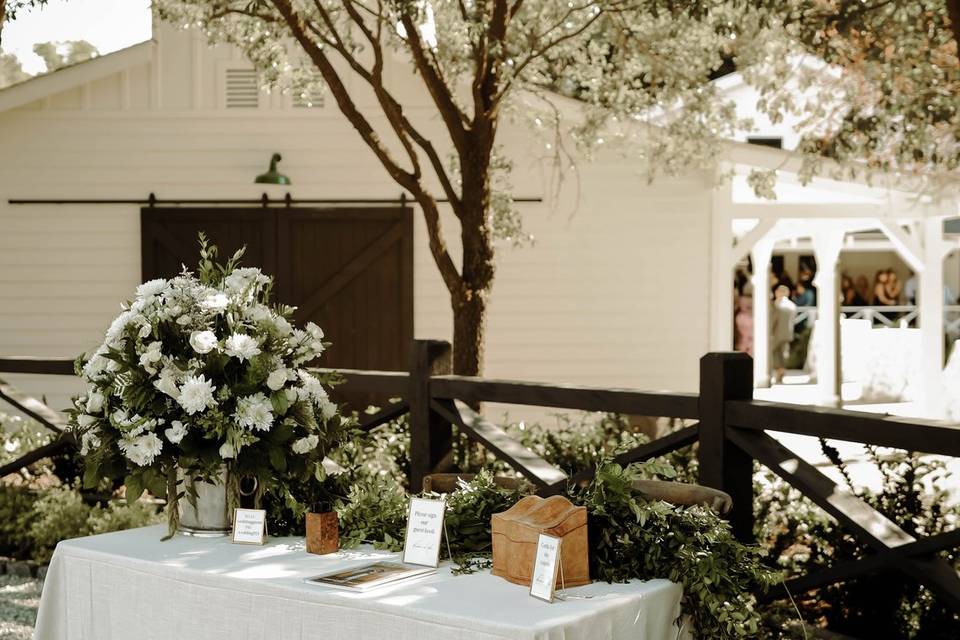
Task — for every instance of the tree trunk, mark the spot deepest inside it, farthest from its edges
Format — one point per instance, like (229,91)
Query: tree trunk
(470,301)
(469,323)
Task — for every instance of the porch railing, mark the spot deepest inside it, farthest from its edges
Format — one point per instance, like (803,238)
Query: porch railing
(732,431)
(890,317)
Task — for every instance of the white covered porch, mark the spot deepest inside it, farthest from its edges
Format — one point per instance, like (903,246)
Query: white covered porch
(828,217)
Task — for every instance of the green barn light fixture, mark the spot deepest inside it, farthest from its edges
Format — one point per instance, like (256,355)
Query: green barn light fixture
(272,176)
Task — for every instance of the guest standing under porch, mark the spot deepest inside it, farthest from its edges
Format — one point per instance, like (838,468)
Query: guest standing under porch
(781,330)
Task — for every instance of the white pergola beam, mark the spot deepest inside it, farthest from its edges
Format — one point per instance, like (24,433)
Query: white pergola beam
(746,242)
(906,245)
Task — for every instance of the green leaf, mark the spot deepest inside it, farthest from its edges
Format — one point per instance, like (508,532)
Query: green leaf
(135,485)
(277,459)
(91,475)
(280,402)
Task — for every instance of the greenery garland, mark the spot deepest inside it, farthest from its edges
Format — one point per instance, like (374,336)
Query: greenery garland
(630,537)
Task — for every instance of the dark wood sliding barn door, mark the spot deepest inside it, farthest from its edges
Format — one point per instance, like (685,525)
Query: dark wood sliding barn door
(350,270)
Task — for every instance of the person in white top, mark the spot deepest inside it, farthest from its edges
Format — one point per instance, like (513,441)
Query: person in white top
(781,330)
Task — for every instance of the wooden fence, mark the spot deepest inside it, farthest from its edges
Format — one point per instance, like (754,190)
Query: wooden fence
(730,427)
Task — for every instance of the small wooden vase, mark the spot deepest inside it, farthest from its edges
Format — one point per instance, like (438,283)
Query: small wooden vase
(515,534)
(323,533)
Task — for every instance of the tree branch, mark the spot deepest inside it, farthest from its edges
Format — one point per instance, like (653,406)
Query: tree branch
(441,93)
(296,23)
(392,108)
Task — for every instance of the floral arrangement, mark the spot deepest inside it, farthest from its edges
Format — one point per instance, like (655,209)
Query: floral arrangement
(198,372)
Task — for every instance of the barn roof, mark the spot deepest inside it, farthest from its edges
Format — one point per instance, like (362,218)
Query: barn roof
(74,75)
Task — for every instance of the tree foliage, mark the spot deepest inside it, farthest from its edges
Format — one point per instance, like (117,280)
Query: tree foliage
(57,55)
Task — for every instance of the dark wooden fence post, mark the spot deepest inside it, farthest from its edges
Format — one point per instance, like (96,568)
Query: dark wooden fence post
(430,435)
(726,376)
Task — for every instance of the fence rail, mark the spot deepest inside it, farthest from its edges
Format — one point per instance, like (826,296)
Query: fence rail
(731,431)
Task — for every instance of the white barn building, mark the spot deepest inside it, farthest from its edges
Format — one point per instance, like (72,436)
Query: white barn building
(628,288)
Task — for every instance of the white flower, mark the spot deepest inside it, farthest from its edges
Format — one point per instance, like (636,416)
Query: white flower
(215,302)
(176,432)
(84,421)
(314,331)
(141,450)
(95,402)
(203,341)
(151,356)
(167,382)
(327,409)
(196,394)
(89,441)
(241,346)
(184,320)
(241,279)
(305,445)
(258,313)
(117,326)
(277,379)
(227,451)
(151,288)
(254,412)
(96,365)
(311,389)
(284,328)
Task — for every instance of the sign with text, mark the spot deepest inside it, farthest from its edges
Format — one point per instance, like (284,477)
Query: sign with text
(424,528)
(545,566)
(249,526)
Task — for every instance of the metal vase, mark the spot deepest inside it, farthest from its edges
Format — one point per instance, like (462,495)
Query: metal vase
(210,516)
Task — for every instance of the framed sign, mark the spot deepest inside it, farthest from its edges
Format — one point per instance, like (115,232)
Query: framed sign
(424,528)
(545,566)
(249,526)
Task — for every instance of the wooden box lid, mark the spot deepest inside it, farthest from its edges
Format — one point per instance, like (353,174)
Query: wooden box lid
(533,515)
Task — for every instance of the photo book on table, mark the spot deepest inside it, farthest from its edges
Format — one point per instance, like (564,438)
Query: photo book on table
(371,576)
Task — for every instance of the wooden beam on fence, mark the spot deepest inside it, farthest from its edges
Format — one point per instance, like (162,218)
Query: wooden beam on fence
(390,383)
(45,366)
(566,396)
(50,418)
(536,469)
(866,523)
(430,435)
(393,411)
(661,446)
(723,465)
(912,434)
(866,565)
(60,444)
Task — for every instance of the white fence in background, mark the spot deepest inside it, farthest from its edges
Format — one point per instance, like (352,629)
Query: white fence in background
(891,317)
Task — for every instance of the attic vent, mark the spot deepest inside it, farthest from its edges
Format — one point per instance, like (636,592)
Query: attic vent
(242,89)
(307,99)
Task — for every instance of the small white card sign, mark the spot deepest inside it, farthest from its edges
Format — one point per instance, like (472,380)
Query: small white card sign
(249,526)
(424,528)
(545,566)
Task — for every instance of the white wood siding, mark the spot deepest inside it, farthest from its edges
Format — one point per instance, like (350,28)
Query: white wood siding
(613,292)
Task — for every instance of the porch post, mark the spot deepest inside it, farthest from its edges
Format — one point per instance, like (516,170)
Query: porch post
(826,246)
(721,267)
(760,256)
(930,301)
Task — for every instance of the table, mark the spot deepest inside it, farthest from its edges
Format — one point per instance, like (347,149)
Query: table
(130,585)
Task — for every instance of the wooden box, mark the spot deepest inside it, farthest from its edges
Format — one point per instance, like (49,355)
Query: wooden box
(515,533)
(323,533)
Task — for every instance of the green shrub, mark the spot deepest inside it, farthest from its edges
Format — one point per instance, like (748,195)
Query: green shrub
(59,515)
(62,513)
(16,513)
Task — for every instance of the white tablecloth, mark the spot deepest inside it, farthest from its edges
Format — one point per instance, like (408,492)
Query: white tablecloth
(129,585)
